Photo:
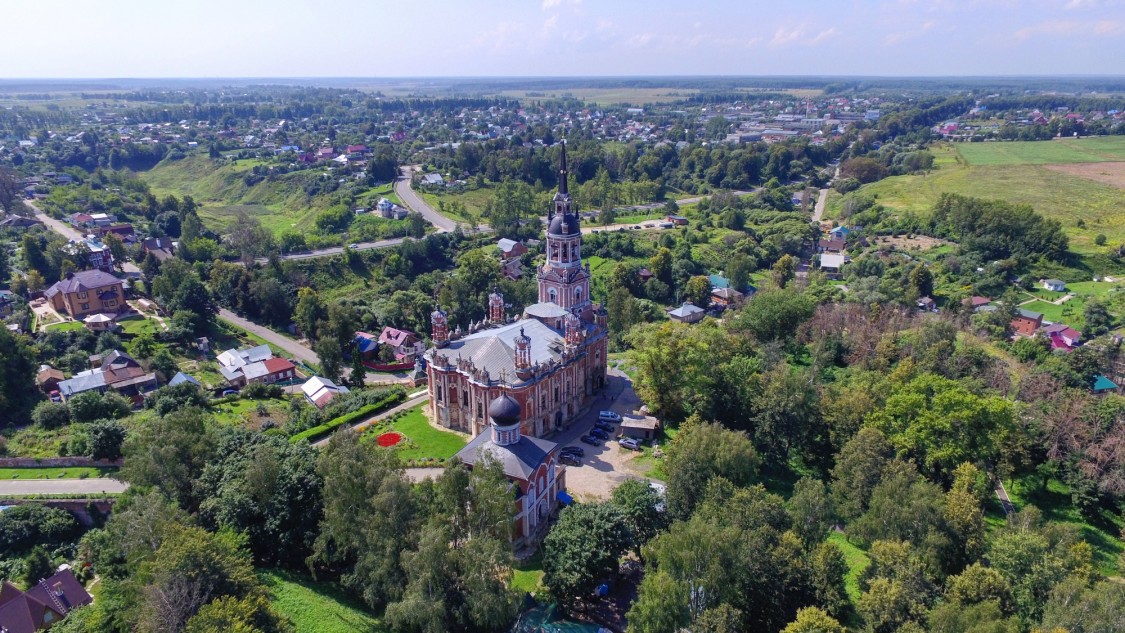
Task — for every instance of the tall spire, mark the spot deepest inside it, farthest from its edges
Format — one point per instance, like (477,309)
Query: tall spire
(562,170)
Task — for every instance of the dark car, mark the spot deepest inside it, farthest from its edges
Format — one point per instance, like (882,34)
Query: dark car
(570,459)
(600,434)
(608,428)
(592,441)
(575,450)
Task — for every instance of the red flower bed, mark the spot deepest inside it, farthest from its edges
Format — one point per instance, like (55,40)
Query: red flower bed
(389,439)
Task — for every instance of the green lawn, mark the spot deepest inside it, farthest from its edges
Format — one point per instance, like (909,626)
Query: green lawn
(424,440)
(1053,152)
(474,200)
(1056,195)
(68,326)
(55,473)
(527,576)
(133,327)
(245,411)
(1070,313)
(857,560)
(318,607)
(1101,532)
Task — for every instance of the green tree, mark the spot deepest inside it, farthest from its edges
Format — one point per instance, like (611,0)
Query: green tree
(828,570)
(700,453)
(813,620)
(698,291)
(331,357)
(37,565)
(812,510)
(639,502)
(50,415)
(583,549)
(977,584)
(985,617)
(170,453)
(774,314)
(888,605)
(228,614)
(1098,319)
(783,271)
(106,438)
(17,376)
(921,281)
(859,468)
(363,480)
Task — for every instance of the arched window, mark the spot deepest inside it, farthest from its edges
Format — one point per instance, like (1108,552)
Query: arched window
(552,295)
(578,294)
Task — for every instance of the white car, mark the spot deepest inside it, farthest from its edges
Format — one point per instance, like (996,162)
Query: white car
(630,443)
(609,416)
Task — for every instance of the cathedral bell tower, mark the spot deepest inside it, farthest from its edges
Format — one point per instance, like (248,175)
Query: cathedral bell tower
(439,327)
(563,280)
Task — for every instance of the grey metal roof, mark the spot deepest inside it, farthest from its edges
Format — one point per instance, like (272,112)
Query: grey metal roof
(519,460)
(255,370)
(494,349)
(545,310)
(181,377)
(84,381)
(685,310)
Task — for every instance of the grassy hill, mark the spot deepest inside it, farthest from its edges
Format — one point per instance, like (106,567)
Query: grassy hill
(280,203)
(317,607)
(1016,172)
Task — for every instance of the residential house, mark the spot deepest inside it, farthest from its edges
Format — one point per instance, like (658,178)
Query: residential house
(645,274)
(1026,323)
(676,220)
(830,246)
(639,427)
(510,248)
(406,344)
(255,364)
(112,370)
(97,253)
(512,268)
(320,391)
(48,378)
(162,248)
(1054,285)
(367,344)
(718,281)
(839,233)
(325,153)
(87,292)
(123,231)
(43,605)
(1062,337)
(926,304)
(727,297)
(1103,385)
(180,378)
(433,179)
(7,301)
(18,222)
(687,313)
(832,263)
(977,302)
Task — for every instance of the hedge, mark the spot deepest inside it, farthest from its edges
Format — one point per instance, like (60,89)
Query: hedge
(348,418)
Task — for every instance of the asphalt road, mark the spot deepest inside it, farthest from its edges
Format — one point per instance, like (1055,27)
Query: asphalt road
(818,211)
(300,352)
(415,203)
(60,486)
(70,233)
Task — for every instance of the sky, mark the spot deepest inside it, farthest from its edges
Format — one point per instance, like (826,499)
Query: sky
(479,38)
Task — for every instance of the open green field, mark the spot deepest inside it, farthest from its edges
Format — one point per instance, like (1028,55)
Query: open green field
(317,607)
(608,96)
(421,439)
(68,326)
(475,200)
(246,412)
(1063,197)
(1058,151)
(77,472)
(134,327)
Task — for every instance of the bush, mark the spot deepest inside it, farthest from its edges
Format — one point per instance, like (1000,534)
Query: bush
(50,415)
(25,526)
(105,439)
(261,391)
(317,431)
(1100,240)
(91,405)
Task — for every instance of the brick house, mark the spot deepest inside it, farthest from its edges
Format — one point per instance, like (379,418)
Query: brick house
(87,292)
(1026,323)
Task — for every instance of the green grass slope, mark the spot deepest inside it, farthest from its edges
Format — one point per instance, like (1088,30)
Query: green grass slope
(317,607)
(1058,151)
(1056,195)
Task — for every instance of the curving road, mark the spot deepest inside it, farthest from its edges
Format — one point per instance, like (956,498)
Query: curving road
(415,203)
(67,231)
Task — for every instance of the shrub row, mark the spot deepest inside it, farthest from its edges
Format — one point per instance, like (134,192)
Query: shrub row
(349,418)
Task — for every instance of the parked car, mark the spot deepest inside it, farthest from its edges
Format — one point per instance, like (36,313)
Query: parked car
(56,396)
(600,434)
(608,428)
(230,392)
(353,246)
(609,416)
(576,450)
(588,439)
(570,459)
(630,443)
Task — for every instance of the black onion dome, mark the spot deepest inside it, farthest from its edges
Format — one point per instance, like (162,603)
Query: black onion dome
(566,224)
(504,411)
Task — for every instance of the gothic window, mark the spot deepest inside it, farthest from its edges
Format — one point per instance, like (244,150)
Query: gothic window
(438,393)
(480,410)
(465,397)
(578,294)
(556,394)
(543,401)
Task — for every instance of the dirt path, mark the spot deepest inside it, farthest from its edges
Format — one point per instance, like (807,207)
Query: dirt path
(821,201)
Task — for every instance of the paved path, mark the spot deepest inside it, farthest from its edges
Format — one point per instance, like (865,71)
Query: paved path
(70,233)
(818,210)
(417,204)
(300,352)
(375,419)
(1005,501)
(89,486)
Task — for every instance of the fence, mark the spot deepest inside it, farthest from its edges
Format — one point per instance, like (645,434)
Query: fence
(57,462)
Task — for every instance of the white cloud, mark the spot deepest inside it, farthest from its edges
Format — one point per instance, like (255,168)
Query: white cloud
(551,4)
(824,35)
(785,36)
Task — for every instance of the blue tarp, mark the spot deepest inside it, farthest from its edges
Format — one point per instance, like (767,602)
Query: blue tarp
(564,498)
